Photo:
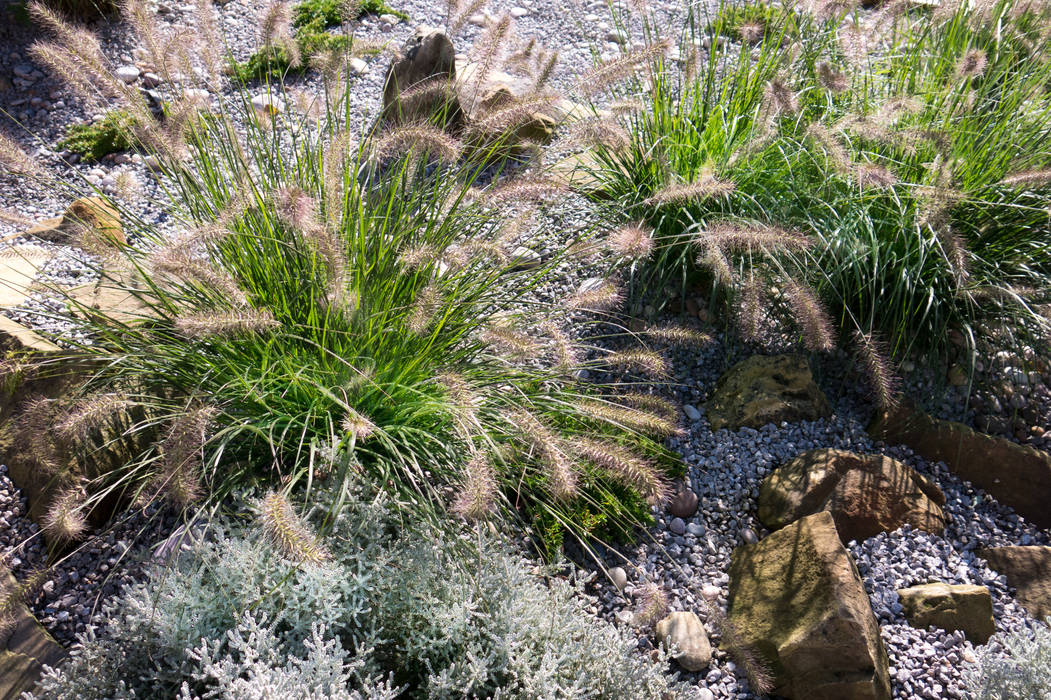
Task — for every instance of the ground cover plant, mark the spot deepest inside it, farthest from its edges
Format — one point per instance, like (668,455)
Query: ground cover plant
(393,608)
(94,141)
(875,177)
(1025,672)
(336,289)
(294,48)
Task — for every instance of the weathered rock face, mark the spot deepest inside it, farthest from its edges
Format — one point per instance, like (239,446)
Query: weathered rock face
(962,607)
(866,494)
(90,220)
(25,646)
(796,598)
(766,389)
(686,632)
(420,85)
(1028,570)
(1016,475)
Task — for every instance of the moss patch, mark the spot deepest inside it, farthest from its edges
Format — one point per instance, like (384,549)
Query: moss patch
(757,20)
(94,141)
(317,15)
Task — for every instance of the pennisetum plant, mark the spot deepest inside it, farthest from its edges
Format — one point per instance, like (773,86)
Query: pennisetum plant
(334,289)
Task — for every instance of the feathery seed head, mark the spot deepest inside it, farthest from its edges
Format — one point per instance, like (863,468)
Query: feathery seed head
(91,413)
(885,382)
(731,236)
(65,519)
(749,312)
(634,241)
(642,420)
(809,313)
(872,176)
(424,308)
(829,78)
(599,297)
(625,466)
(704,186)
(287,531)
(619,69)
(645,362)
(972,64)
(477,496)
(651,607)
(416,141)
(226,324)
(510,340)
(779,98)
(296,208)
(525,189)
(357,425)
(751,32)
(678,335)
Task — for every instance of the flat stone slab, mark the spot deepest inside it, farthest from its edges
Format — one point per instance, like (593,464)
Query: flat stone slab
(952,607)
(1028,571)
(19,267)
(1015,475)
(25,646)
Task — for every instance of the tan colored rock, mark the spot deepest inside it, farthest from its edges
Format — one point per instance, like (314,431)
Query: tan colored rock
(1028,571)
(685,631)
(91,221)
(16,337)
(19,267)
(1015,475)
(766,389)
(428,60)
(952,607)
(796,599)
(866,494)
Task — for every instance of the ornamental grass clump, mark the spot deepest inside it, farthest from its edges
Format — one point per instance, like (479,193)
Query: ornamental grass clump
(904,150)
(334,289)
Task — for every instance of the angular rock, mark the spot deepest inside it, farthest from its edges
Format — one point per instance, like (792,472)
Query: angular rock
(19,267)
(766,389)
(1015,475)
(866,494)
(686,632)
(960,607)
(1028,571)
(90,220)
(427,59)
(797,600)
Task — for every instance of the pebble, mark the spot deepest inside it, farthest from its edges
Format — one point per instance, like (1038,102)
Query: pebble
(128,74)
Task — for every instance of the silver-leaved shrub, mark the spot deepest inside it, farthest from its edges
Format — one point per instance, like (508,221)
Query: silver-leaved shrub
(399,609)
(1022,673)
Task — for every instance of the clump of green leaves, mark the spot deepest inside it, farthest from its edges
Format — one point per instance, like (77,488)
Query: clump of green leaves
(94,141)
(750,22)
(863,180)
(317,15)
(311,19)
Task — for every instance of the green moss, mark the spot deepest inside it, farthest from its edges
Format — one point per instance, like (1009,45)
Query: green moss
(94,141)
(771,18)
(316,15)
(273,63)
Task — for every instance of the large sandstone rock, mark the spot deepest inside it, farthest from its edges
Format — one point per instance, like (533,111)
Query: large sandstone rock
(766,389)
(25,646)
(961,607)
(420,84)
(1016,475)
(1028,571)
(866,494)
(90,220)
(796,598)
(685,631)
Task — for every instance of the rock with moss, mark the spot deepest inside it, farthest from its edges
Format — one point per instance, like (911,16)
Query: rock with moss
(796,599)
(766,389)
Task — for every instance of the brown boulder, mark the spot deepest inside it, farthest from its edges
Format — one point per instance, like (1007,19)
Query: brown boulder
(962,607)
(1015,475)
(1028,571)
(766,389)
(866,494)
(797,600)
(88,221)
(427,61)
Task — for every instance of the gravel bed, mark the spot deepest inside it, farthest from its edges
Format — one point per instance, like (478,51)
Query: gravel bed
(725,468)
